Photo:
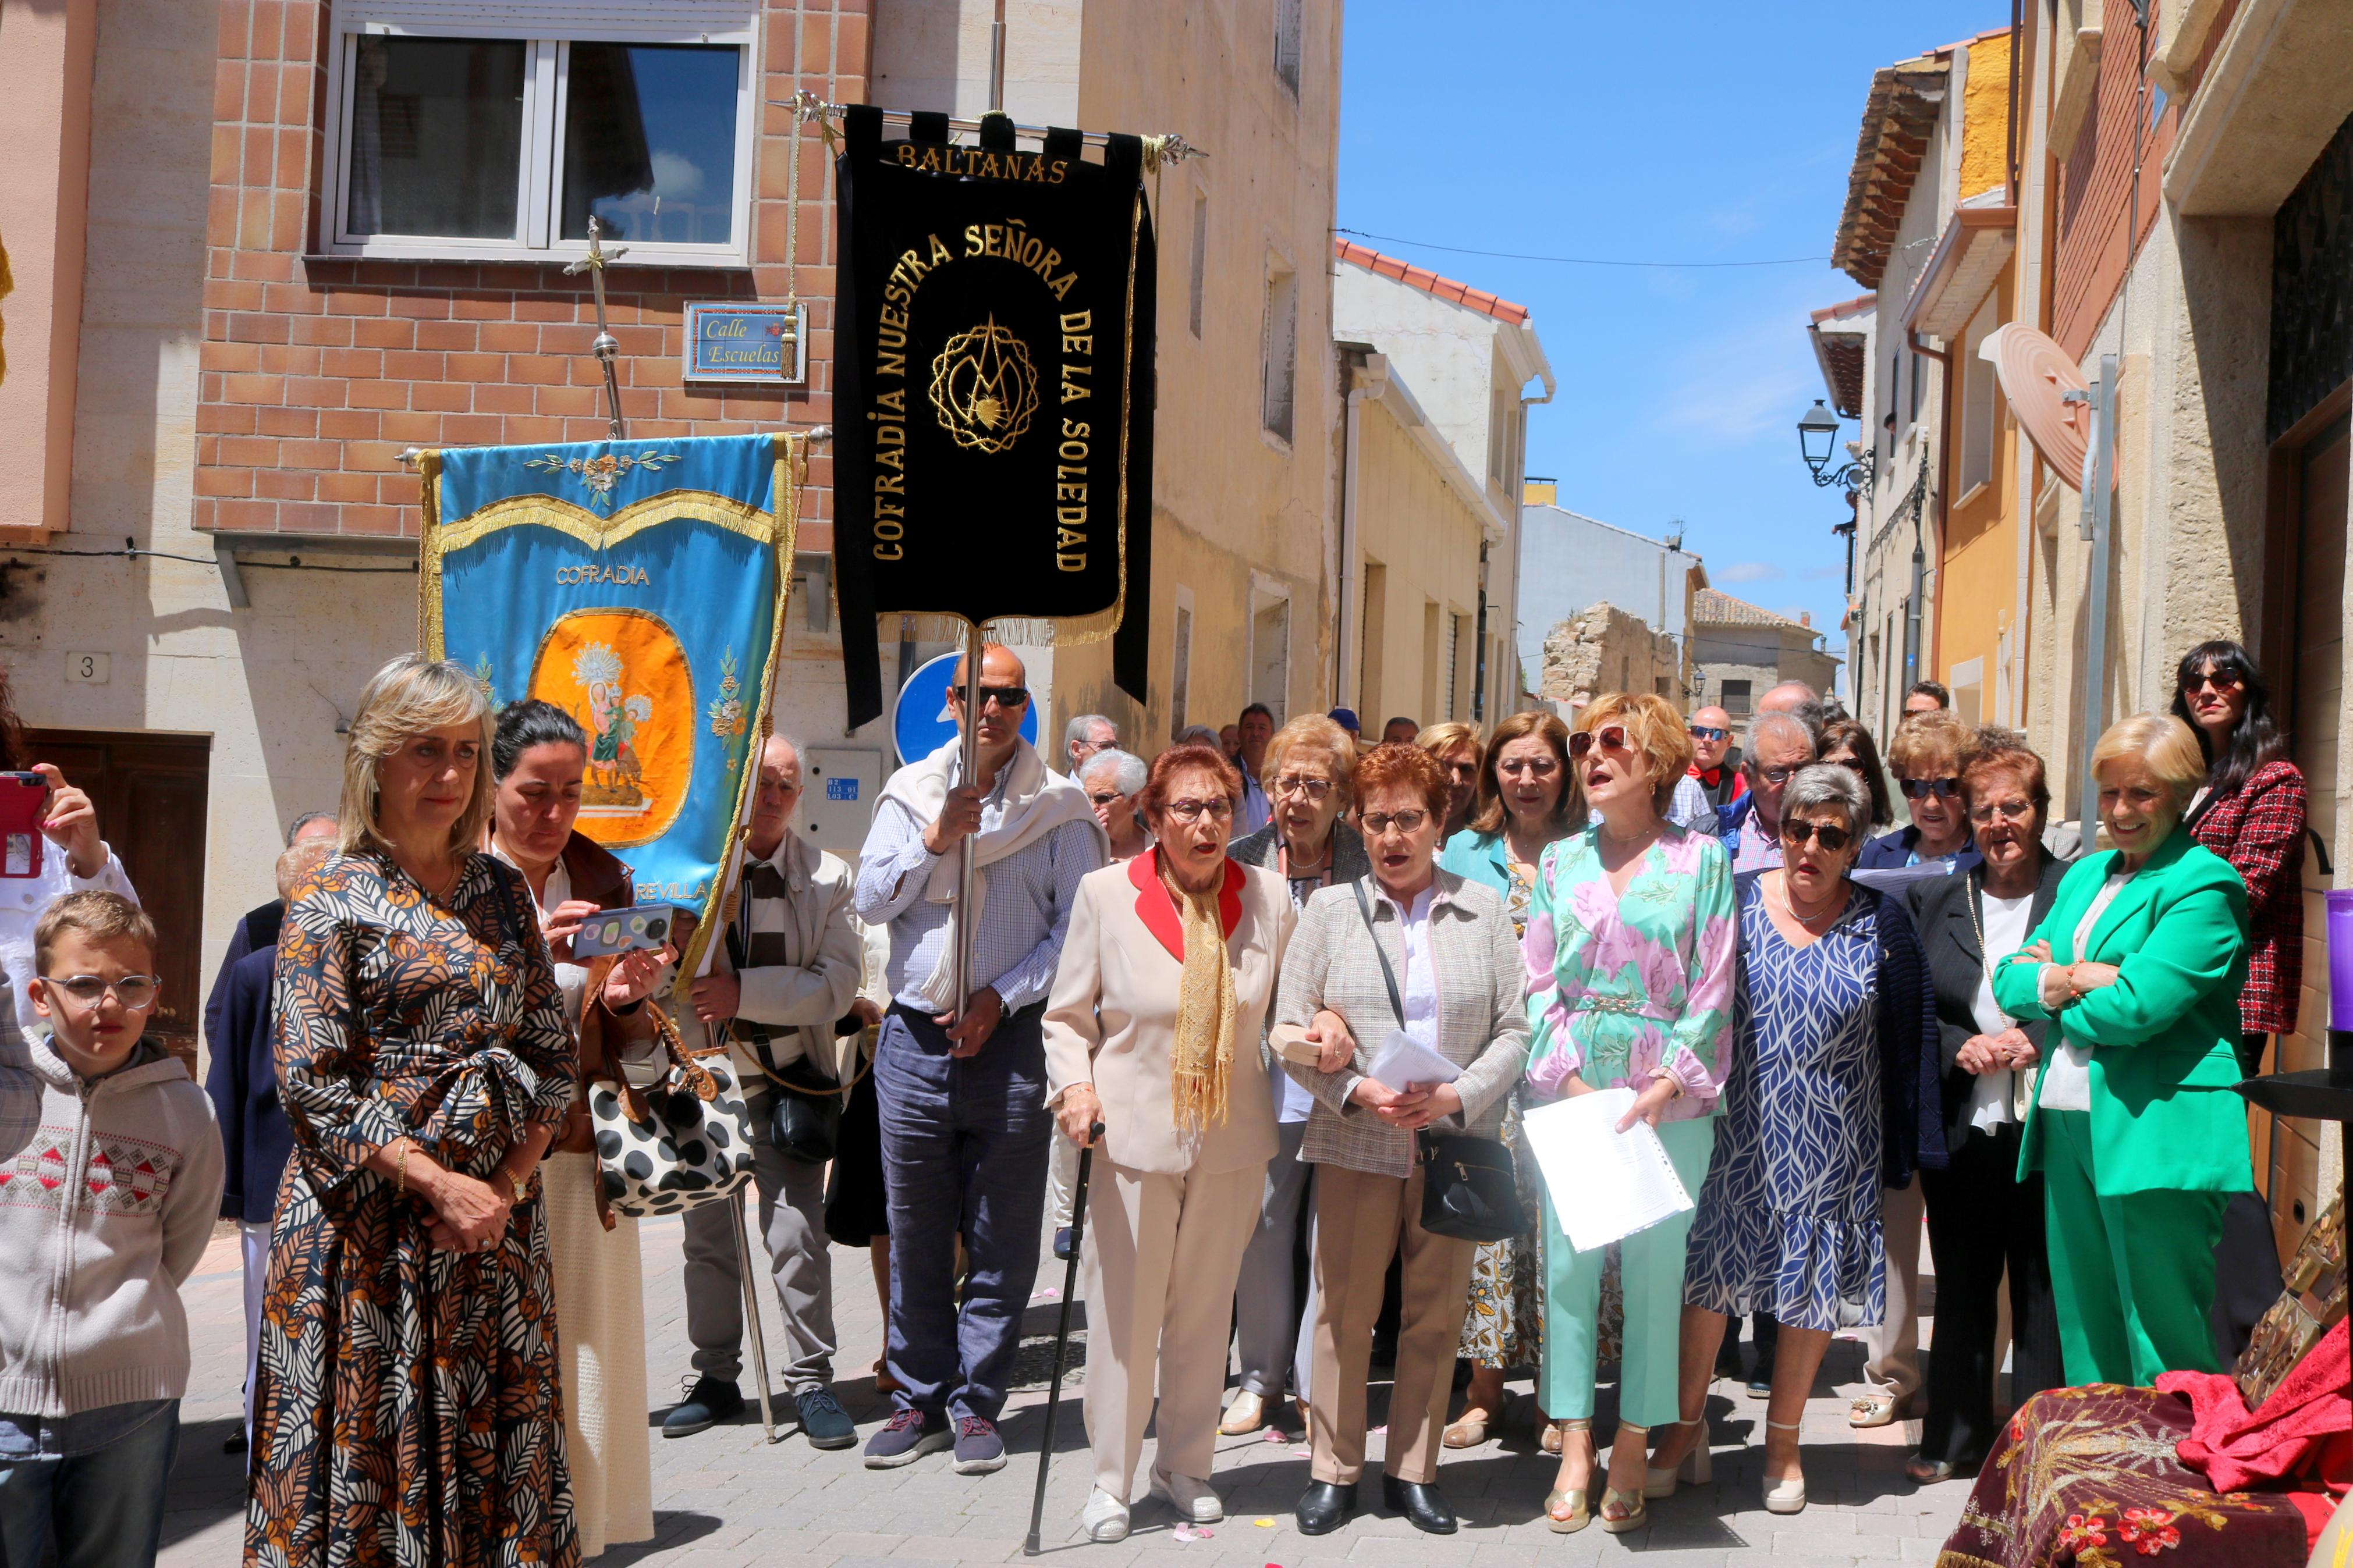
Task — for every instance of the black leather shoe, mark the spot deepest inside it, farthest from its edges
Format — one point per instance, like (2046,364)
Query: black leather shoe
(1324,1506)
(1420,1503)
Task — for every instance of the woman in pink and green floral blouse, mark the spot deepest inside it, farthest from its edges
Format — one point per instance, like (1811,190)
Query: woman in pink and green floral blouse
(1631,948)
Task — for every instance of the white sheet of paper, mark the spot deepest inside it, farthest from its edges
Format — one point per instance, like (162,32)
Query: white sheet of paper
(1402,1059)
(1605,1184)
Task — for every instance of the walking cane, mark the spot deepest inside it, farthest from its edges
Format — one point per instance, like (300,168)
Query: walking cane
(1062,1332)
(752,1313)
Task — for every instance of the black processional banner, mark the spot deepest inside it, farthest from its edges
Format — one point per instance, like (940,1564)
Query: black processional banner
(993,416)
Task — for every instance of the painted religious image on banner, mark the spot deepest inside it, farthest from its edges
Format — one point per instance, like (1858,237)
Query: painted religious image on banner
(624,676)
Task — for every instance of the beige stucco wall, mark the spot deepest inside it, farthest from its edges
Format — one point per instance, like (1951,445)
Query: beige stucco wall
(1422,534)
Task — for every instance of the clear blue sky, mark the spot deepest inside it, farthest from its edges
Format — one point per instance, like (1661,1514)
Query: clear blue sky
(1674,132)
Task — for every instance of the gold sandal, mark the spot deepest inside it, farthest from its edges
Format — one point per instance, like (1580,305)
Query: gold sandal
(1636,1505)
(1579,1513)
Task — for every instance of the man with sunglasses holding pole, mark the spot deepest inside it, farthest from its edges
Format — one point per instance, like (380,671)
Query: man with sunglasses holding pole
(963,1096)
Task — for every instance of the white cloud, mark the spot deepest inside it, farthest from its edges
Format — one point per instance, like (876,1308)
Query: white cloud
(1823,573)
(1750,571)
(676,178)
(1741,383)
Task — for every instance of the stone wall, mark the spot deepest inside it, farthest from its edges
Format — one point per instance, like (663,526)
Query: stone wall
(1606,650)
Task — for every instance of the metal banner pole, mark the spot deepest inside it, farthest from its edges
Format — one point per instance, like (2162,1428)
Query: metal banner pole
(965,870)
(751,1313)
(607,347)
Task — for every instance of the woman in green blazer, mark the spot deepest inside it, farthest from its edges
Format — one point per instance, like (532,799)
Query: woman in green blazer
(2136,1131)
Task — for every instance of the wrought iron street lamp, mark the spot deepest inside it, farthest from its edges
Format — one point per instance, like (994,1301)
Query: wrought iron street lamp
(1818,431)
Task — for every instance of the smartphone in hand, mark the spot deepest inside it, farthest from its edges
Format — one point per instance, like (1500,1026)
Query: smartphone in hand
(22,799)
(645,926)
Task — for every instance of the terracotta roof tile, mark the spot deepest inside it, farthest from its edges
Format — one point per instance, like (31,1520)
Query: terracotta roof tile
(1711,607)
(1429,282)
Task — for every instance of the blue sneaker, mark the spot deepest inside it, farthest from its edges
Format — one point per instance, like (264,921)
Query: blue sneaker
(978,1449)
(907,1436)
(824,1422)
(711,1401)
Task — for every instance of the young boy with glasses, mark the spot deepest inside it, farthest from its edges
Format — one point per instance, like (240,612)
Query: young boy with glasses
(110,1182)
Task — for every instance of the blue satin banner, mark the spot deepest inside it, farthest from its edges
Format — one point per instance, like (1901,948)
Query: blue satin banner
(640,586)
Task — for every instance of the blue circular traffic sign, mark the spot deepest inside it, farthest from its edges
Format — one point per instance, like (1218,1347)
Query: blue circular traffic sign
(920,721)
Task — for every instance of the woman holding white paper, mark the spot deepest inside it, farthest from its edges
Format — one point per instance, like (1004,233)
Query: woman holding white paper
(1418,951)
(1630,948)
(1833,1089)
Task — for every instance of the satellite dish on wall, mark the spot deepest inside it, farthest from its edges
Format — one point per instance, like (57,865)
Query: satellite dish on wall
(2036,376)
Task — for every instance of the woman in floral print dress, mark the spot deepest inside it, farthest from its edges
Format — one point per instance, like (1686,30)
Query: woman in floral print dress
(1630,949)
(408,1412)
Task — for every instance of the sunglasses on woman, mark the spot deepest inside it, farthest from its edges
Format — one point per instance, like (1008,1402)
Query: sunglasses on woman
(1921,789)
(1831,837)
(2224,681)
(1612,737)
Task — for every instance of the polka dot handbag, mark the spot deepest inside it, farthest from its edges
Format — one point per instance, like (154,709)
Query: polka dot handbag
(680,1141)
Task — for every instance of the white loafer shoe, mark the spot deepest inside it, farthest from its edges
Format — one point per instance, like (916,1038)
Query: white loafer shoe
(1194,1499)
(1105,1519)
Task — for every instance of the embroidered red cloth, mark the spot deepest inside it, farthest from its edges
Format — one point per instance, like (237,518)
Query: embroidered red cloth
(2088,1478)
(2235,1447)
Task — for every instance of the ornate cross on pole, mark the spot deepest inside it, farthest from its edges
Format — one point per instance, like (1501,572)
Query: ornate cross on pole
(605,348)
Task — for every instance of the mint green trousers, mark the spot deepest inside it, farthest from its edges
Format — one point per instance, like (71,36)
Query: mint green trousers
(1651,1264)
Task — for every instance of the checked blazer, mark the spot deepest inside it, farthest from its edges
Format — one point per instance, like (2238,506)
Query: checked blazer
(1482,1023)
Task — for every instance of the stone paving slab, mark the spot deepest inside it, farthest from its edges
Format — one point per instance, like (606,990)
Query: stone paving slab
(727,1499)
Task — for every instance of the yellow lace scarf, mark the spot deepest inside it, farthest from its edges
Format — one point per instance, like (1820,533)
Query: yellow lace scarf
(1202,1064)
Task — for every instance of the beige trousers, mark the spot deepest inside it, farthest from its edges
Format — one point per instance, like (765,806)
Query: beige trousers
(1159,1263)
(1360,1222)
(1892,1347)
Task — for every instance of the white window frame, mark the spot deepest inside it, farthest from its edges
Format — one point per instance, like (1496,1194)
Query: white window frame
(548,29)
(1279,352)
(1265,593)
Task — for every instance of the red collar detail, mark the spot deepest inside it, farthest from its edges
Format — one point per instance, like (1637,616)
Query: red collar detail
(1157,910)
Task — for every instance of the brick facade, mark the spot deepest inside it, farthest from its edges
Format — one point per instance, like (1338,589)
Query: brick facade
(2095,184)
(318,371)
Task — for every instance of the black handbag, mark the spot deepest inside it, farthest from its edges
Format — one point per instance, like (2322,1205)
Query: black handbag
(1470,1188)
(805,1115)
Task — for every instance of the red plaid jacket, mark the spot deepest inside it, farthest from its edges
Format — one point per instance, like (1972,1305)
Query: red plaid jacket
(2259,829)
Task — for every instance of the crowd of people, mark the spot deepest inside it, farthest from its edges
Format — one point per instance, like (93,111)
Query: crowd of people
(1203,968)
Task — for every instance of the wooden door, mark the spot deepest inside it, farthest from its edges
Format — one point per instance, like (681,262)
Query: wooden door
(2319,683)
(150,794)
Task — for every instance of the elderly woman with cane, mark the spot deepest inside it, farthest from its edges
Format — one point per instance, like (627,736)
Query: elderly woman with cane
(1151,1036)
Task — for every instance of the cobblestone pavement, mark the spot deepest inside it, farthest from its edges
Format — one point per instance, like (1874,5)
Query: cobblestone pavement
(728,1499)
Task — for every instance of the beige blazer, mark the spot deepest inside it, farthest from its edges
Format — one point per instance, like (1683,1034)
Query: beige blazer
(1111,1020)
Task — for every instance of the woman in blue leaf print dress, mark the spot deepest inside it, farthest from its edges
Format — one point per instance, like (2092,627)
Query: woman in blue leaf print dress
(1834,1089)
